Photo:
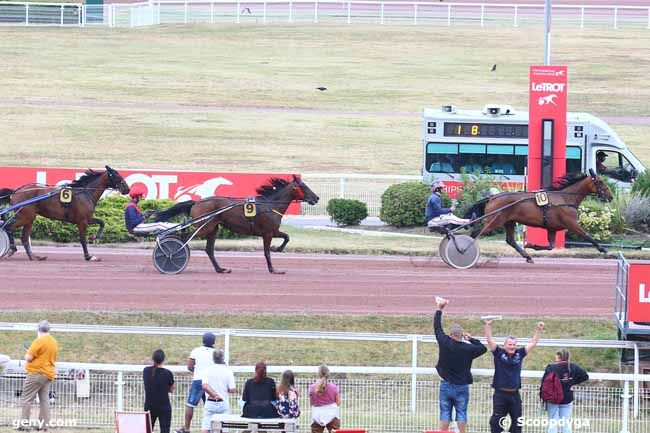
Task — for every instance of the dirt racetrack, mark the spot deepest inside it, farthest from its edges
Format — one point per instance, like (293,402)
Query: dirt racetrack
(126,280)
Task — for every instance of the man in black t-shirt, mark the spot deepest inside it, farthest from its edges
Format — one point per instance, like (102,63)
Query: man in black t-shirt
(456,353)
(507,378)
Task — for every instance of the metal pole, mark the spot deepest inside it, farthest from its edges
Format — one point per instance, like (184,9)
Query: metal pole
(61,14)
(414,377)
(350,18)
(482,14)
(226,346)
(547,32)
(415,14)
(342,187)
(626,408)
(120,391)
(636,381)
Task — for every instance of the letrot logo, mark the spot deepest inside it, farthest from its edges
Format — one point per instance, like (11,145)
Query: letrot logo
(643,297)
(547,87)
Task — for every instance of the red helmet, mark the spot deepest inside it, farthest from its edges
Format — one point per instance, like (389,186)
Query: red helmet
(137,190)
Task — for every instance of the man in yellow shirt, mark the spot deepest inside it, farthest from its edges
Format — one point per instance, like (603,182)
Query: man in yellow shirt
(40,358)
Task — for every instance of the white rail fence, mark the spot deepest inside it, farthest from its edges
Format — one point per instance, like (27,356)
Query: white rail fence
(325,11)
(400,400)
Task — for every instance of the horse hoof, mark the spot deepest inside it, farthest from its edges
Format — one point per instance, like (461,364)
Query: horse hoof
(224,271)
(40,258)
(94,259)
(278,272)
(530,260)
(11,253)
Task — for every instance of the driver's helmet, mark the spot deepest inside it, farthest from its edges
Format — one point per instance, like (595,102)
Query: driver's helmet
(437,184)
(137,190)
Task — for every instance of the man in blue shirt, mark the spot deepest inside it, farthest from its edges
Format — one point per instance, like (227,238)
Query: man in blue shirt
(134,218)
(507,378)
(436,215)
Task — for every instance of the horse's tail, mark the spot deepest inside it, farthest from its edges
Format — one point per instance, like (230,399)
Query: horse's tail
(5,195)
(477,209)
(179,208)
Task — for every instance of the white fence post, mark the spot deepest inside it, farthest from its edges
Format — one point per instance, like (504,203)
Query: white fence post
(449,15)
(415,14)
(582,17)
(62,14)
(290,12)
(185,13)
(626,408)
(211,13)
(238,12)
(84,10)
(342,187)
(26,14)
(636,380)
(226,346)
(120,391)
(414,376)
(615,17)
(516,18)
(482,15)
(316,12)
(381,21)
(350,17)
(264,13)
(648,18)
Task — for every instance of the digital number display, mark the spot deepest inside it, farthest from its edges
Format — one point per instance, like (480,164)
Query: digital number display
(490,130)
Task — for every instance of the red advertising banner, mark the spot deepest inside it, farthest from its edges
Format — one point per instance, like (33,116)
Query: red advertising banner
(547,106)
(638,293)
(160,184)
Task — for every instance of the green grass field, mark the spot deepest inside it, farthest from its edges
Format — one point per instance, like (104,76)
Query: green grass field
(243,98)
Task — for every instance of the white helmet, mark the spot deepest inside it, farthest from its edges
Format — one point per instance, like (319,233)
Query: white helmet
(437,184)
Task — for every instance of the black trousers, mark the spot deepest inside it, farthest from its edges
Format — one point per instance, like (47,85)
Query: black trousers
(165,418)
(505,403)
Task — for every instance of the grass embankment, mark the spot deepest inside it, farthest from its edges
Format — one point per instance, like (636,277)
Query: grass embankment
(242,98)
(135,349)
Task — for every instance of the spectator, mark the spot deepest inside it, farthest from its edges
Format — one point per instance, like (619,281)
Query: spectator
(288,406)
(134,218)
(259,394)
(158,383)
(41,357)
(456,353)
(507,377)
(569,375)
(326,403)
(218,381)
(200,358)
(434,214)
(601,156)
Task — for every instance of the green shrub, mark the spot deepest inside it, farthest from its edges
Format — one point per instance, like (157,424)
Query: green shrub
(403,204)
(346,212)
(111,211)
(642,184)
(637,213)
(595,218)
(474,188)
(618,206)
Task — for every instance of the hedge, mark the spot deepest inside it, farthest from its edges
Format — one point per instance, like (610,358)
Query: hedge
(346,211)
(403,204)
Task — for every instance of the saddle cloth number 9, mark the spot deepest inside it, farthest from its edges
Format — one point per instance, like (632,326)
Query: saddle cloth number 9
(250,210)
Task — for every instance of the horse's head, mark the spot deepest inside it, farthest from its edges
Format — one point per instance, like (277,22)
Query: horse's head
(599,187)
(116,181)
(302,192)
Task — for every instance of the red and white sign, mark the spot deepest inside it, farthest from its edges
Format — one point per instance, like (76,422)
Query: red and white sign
(638,293)
(455,187)
(159,184)
(547,101)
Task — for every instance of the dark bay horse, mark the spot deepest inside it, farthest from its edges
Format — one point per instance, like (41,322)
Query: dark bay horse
(521,207)
(272,201)
(86,192)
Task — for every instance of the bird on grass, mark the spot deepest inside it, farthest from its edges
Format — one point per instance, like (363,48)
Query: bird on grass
(494,67)
(321,88)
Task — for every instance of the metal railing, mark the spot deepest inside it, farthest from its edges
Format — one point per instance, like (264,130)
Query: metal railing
(322,11)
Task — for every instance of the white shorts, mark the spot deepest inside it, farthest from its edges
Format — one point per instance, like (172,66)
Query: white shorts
(147,228)
(446,219)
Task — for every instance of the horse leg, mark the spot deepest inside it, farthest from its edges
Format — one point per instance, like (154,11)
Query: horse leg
(100,232)
(27,242)
(551,238)
(577,229)
(267,253)
(510,240)
(285,241)
(209,250)
(82,239)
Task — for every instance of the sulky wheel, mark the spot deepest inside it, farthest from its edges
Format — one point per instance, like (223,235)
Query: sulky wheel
(4,243)
(171,255)
(442,249)
(462,252)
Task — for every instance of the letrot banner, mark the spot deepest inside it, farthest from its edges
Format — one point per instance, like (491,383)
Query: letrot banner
(159,184)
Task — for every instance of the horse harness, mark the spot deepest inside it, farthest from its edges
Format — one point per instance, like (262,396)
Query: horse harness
(543,201)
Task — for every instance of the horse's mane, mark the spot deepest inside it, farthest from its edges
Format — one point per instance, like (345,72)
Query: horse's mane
(88,177)
(566,181)
(271,186)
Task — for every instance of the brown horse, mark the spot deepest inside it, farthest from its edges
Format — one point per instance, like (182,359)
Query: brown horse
(86,192)
(272,202)
(521,207)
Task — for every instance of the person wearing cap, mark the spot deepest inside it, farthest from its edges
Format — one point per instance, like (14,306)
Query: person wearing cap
(134,218)
(456,352)
(435,215)
(200,359)
(40,357)
(601,156)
